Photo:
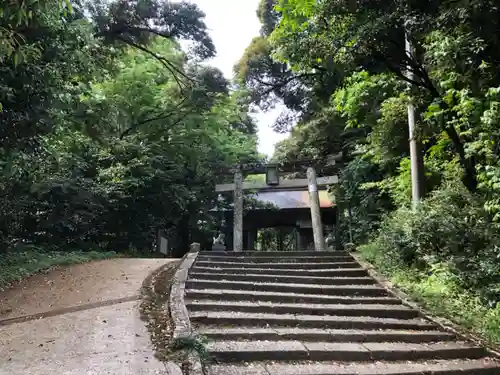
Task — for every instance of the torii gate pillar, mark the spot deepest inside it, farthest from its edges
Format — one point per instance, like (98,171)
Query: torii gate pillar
(317,225)
(238,211)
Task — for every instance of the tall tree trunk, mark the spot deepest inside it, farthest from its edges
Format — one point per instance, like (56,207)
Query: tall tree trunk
(468,164)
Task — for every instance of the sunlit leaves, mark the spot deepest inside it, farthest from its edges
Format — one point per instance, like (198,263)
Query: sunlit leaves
(103,137)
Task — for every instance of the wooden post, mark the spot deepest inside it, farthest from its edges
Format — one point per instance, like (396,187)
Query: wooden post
(317,226)
(238,211)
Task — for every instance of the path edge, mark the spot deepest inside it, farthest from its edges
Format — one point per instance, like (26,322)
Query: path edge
(444,323)
(148,285)
(178,310)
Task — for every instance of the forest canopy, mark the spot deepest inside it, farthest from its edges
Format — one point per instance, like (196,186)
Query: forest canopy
(111,131)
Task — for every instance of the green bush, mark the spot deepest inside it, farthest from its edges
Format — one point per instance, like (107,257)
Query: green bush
(438,292)
(449,228)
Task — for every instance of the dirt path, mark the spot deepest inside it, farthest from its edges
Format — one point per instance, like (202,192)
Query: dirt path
(83,336)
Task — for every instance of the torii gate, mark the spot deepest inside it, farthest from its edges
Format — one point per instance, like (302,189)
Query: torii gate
(273,181)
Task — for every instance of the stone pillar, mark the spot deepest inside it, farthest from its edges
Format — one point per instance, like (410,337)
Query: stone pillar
(319,240)
(238,212)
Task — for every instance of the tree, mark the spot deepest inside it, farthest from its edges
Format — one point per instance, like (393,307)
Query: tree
(14,15)
(50,45)
(372,37)
(136,22)
(111,131)
(268,16)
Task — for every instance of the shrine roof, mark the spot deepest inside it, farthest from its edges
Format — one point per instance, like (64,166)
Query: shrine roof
(290,199)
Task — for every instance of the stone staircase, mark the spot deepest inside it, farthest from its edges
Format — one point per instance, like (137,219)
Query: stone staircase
(315,313)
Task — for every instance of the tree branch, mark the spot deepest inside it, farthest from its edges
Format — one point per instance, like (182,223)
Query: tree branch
(165,62)
(163,116)
(114,30)
(152,31)
(397,70)
(287,81)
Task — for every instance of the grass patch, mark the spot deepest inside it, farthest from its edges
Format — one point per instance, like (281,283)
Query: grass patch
(438,292)
(17,265)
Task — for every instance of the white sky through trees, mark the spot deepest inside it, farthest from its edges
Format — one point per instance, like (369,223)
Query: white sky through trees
(232,25)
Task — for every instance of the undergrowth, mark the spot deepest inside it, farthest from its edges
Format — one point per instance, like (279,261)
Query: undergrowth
(437,291)
(17,265)
(185,347)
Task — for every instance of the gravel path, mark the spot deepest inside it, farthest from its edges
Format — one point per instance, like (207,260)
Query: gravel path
(80,338)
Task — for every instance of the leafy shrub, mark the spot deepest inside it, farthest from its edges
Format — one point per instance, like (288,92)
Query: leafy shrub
(451,228)
(439,292)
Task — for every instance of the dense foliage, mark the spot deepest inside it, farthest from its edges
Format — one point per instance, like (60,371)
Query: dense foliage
(345,76)
(109,130)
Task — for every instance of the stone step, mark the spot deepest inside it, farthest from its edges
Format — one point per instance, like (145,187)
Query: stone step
(238,351)
(379,311)
(277,297)
(267,254)
(262,278)
(233,319)
(269,259)
(288,265)
(336,290)
(346,272)
(325,335)
(484,366)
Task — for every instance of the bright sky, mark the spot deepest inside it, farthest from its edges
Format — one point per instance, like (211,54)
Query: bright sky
(232,25)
